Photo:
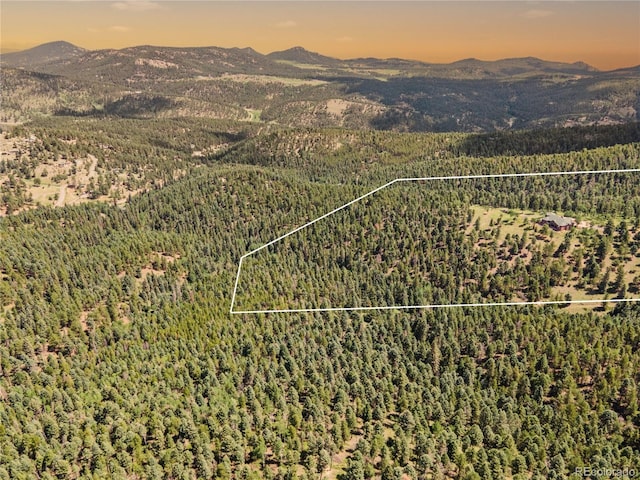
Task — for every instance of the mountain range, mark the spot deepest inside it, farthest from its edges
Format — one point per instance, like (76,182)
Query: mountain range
(303,88)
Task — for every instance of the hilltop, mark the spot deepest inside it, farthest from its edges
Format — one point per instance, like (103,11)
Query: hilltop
(301,55)
(44,54)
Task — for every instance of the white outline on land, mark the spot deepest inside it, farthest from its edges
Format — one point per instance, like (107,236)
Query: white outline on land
(415,307)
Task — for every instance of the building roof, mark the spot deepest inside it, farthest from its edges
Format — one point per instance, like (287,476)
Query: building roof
(559,220)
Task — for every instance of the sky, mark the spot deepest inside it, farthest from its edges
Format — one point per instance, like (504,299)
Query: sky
(605,34)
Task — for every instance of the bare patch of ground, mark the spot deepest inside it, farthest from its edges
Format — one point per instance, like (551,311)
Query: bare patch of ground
(155,63)
(83,320)
(339,459)
(336,106)
(5,309)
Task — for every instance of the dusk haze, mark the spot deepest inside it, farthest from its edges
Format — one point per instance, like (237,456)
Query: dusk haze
(605,34)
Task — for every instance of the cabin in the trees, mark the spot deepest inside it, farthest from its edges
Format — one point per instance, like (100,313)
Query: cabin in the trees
(558,222)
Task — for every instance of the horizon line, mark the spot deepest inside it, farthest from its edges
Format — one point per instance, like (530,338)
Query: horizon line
(425,62)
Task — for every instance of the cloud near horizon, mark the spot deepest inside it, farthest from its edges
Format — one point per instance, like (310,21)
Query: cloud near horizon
(136,5)
(535,14)
(287,24)
(112,28)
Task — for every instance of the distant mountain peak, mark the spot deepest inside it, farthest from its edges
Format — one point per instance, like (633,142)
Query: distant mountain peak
(302,55)
(585,66)
(60,44)
(55,46)
(248,50)
(43,54)
(523,65)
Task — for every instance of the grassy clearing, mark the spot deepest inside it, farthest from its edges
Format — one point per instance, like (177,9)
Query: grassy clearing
(305,66)
(513,222)
(385,71)
(265,79)
(254,114)
(43,194)
(501,224)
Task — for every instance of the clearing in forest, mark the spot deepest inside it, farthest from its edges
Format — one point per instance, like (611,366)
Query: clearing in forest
(565,238)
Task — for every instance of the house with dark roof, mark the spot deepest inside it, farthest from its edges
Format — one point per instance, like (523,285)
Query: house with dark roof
(558,222)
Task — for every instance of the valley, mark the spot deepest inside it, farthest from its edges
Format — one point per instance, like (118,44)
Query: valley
(301,88)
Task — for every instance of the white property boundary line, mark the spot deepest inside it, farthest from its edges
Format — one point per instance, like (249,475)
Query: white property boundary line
(414,307)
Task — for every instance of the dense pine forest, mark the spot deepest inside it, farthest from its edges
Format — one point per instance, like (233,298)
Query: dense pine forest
(119,357)
(423,243)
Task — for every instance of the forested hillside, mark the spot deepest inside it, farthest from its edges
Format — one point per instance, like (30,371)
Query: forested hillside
(429,243)
(119,358)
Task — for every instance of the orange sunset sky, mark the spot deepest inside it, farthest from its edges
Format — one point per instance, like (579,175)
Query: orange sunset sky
(605,34)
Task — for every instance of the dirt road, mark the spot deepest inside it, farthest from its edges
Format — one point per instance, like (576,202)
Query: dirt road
(61,195)
(92,167)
